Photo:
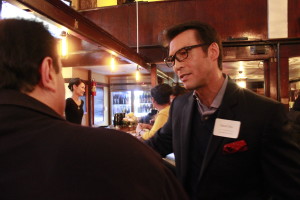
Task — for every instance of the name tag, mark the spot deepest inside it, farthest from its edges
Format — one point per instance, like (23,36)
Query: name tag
(227,128)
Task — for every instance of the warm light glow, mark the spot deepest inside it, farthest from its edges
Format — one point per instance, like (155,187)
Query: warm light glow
(241,83)
(241,70)
(137,75)
(112,63)
(64,47)
(241,66)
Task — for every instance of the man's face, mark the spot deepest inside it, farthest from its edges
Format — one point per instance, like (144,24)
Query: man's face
(195,70)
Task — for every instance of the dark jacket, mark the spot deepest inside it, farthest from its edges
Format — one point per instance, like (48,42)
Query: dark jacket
(42,156)
(269,167)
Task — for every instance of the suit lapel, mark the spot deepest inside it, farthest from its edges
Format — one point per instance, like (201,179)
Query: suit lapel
(185,132)
(225,112)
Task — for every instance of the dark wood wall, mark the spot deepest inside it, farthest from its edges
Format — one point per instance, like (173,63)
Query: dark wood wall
(294,18)
(232,18)
(87,4)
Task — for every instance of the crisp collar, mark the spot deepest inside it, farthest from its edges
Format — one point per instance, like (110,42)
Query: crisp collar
(218,99)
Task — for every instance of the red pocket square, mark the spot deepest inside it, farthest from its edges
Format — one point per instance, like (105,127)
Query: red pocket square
(234,147)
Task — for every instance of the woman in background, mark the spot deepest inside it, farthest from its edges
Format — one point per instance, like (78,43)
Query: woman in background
(74,105)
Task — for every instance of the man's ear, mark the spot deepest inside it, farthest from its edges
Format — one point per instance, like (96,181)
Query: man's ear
(47,74)
(214,51)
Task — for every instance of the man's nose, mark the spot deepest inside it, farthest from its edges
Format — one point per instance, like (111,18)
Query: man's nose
(177,66)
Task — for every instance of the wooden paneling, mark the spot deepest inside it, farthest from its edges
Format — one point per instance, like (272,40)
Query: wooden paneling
(293,18)
(267,77)
(284,81)
(87,4)
(113,19)
(233,18)
(291,50)
(247,18)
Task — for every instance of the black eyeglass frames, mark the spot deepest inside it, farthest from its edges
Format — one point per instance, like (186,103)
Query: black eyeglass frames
(180,55)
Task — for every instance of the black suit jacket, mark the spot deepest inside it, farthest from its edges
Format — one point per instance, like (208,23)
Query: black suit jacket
(42,156)
(269,167)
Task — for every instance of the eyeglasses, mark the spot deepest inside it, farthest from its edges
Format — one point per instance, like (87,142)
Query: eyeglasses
(180,55)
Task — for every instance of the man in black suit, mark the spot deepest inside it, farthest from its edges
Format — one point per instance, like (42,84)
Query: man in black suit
(229,143)
(42,156)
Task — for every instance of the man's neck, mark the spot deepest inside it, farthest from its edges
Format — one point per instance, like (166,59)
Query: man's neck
(160,107)
(208,93)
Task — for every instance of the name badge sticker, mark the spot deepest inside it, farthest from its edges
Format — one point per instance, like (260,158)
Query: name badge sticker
(227,128)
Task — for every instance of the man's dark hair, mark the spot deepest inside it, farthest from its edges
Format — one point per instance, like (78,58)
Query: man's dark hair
(23,46)
(178,90)
(206,34)
(74,81)
(161,93)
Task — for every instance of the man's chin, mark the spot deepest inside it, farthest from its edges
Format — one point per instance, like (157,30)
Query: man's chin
(187,86)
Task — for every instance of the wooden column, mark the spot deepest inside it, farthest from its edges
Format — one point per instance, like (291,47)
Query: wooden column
(284,81)
(267,77)
(109,101)
(273,78)
(90,100)
(153,75)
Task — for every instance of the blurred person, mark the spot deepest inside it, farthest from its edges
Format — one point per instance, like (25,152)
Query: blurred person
(160,96)
(44,157)
(294,114)
(229,143)
(296,105)
(177,90)
(149,118)
(74,105)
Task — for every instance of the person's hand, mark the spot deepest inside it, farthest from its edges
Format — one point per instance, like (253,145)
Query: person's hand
(146,126)
(152,121)
(142,128)
(139,128)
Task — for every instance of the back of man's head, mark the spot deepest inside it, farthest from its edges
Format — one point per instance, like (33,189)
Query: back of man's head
(161,93)
(23,46)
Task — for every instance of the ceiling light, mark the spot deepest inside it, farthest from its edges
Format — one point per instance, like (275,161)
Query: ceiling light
(112,63)
(64,44)
(137,73)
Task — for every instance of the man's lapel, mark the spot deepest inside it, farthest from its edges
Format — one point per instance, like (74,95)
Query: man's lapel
(225,112)
(185,135)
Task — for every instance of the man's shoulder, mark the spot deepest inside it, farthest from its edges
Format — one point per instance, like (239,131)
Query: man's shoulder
(255,98)
(247,95)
